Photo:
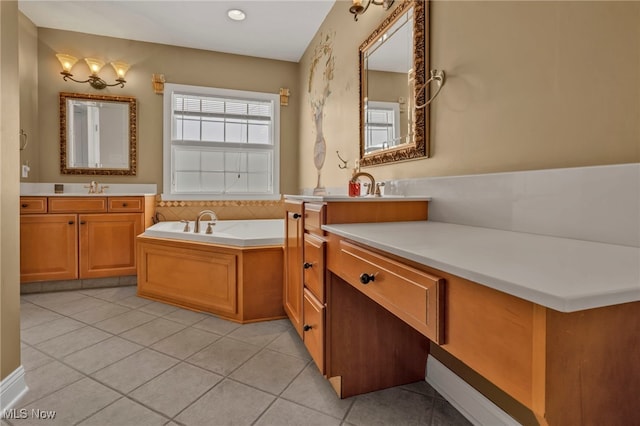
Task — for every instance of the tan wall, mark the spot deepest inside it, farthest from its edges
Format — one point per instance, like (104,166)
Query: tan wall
(28,67)
(179,65)
(530,85)
(9,191)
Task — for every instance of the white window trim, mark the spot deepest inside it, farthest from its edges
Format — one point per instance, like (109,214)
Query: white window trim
(169,88)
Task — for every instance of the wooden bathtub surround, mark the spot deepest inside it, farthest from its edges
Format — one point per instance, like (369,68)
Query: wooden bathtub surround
(242,284)
(552,368)
(67,238)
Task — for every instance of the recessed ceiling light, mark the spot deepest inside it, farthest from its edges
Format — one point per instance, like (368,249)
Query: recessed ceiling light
(236,14)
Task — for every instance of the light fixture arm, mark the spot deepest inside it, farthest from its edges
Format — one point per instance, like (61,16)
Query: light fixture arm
(358,8)
(95,81)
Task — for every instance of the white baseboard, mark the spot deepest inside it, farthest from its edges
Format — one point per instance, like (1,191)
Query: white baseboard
(467,400)
(12,388)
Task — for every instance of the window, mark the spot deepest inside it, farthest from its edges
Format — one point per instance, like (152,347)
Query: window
(382,125)
(220,144)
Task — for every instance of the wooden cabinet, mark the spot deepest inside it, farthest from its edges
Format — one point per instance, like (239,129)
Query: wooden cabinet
(292,294)
(306,298)
(80,237)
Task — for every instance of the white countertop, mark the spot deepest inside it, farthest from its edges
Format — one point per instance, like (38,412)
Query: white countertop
(346,198)
(564,274)
(28,189)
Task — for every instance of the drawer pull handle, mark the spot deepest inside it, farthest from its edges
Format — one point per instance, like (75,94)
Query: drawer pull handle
(367,278)
(307,265)
(297,215)
(124,204)
(307,327)
(24,206)
(82,222)
(71,222)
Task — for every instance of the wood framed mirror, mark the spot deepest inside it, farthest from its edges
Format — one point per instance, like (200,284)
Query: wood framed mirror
(393,64)
(98,134)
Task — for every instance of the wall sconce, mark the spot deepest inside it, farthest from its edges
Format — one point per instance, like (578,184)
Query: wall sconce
(157,80)
(95,65)
(357,7)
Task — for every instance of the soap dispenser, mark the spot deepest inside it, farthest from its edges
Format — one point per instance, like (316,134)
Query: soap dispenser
(354,183)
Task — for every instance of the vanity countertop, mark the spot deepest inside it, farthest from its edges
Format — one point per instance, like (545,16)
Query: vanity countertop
(28,189)
(564,274)
(346,198)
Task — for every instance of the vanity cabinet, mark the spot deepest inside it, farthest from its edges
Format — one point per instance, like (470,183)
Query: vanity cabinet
(66,238)
(306,294)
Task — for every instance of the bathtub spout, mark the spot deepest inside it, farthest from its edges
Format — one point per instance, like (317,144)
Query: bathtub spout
(210,213)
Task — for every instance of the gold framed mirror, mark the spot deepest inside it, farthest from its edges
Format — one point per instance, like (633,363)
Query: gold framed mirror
(393,61)
(98,134)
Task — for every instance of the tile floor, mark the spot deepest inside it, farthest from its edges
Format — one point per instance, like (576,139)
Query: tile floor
(108,357)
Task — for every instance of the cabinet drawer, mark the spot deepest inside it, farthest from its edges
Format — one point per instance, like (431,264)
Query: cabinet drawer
(314,218)
(313,265)
(30,205)
(414,296)
(313,312)
(126,204)
(77,204)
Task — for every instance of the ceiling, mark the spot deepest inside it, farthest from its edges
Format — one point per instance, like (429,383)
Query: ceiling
(274,29)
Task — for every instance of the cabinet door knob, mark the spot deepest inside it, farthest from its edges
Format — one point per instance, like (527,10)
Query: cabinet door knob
(307,327)
(367,278)
(82,222)
(307,265)
(124,204)
(297,215)
(24,206)
(71,222)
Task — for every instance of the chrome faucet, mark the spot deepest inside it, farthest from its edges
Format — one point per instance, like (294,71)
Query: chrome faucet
(93,187)
(212,216)
(370,188)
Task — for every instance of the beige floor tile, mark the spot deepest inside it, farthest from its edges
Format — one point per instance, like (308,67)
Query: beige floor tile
(269,371)
(92,316)
(223,356)
(32,358)
(152,331)
(185,343)
(125,412)
(176,388)
(124,322)
(157,308)
(53,298)
(314,391)
(391,406)
(102,354)
(75,306)
(72,403)
(133,302)
(234,402)
(72,341)
(290,343)
(186,317)
(287,413)
(135,370)
(112,294)
(260,333)
(46,379)
(49,330)
(217,325)
(32,315)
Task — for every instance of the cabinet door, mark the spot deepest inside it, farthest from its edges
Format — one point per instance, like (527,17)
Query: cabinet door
(48,247)
(314,328)
(293,246)
(107,244)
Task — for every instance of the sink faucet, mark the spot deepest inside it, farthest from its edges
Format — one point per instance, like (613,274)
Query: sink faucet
(93,187)
(371,187)
(212,216)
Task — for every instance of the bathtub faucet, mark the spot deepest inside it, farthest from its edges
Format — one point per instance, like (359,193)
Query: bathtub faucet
(211,214)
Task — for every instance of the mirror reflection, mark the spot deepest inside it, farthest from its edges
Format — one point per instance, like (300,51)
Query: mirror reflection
(392,66)
(97,134)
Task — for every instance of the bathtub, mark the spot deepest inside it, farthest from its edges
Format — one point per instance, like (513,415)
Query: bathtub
(238,233)
(235,273)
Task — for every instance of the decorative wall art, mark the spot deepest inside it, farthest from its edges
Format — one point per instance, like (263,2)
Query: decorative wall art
(319,89)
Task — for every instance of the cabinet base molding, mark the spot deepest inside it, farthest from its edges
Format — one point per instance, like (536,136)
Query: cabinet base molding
(467,400)
(63,285)
(12,388)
